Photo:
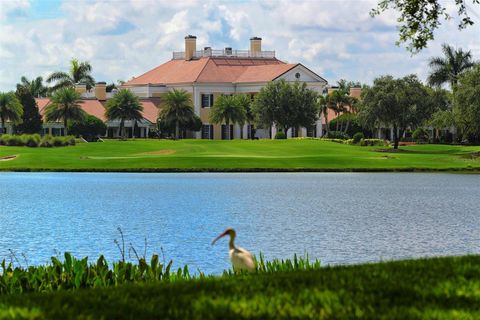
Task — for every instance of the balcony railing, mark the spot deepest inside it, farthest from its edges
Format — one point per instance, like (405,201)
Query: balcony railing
(229,53)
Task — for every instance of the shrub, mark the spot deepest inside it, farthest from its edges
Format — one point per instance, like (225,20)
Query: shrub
(58,141)
(89,129)
(374,142)
(47,141)
(420,135)
(4,139)
(357,137)
(14,140)
(337,135)
(332,140)
(70,140)
(31,140)
(280,135)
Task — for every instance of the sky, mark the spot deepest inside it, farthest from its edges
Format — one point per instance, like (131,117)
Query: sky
(122,39)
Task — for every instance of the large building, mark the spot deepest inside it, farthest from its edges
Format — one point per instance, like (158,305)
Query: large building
(206,74)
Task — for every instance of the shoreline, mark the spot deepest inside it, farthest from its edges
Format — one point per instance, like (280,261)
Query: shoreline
(248,170)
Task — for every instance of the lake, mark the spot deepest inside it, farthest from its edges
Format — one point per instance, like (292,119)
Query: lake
(339,218)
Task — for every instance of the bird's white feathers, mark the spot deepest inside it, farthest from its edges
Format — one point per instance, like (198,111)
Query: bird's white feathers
(242,259)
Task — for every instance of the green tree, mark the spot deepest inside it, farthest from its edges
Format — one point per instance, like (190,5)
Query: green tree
(178,110)
(286,105)
(447,69)
(339,101)
(324,102)
(31,118)
(35,87)
(441,119)
(91,128)
(124,105)
(420,18)
(467,105)
(399,103)
(246,103)
(79,73)
(228,110)
(304,105)
(10,109)
(65,105)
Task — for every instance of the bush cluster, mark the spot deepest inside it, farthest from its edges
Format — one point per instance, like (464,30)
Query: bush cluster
(374,142)
(420,135)
(357,137)
(35,140)
(280,135)
(337,135)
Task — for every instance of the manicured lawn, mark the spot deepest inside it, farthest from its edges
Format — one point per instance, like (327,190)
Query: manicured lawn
(438,288)
(237,155)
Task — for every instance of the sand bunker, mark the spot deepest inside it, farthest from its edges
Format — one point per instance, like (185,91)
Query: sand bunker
(164,152)
(7,158)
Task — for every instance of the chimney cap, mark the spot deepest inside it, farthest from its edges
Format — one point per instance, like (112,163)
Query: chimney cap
(255,38)
(101,82)
(190,37)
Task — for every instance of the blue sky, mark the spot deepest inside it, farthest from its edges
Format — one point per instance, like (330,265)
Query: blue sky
(122,39)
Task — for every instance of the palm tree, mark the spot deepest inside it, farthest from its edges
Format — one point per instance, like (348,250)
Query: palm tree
(124,105)
(352,109)
(35,87)
(227,109)
(79,73)
(338,101)
(65,105)
(324,106)
(10,109)
(178,109)
(448,68)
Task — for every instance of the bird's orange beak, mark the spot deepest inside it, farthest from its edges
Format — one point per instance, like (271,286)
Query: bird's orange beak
(220,236)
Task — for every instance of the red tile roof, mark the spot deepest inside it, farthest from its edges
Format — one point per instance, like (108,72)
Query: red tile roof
(218,70)
(97,109)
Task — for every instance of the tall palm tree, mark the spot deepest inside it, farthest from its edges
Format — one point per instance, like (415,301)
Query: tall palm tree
(338,101)
(65,105)
(10,109)
(227,109)
(124,105)
(178,109)
(448,68)
(325,104)
(35,87)
(79,73)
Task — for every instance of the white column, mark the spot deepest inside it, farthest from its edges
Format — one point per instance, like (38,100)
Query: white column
(274,131)
(319,128)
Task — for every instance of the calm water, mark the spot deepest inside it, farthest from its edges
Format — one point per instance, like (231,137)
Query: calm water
(336,217)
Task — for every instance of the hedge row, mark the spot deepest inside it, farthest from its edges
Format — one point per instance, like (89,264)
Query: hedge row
(35,140)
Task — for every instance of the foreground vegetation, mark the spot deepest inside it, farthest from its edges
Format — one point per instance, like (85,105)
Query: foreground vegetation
(238,155)
(438,288)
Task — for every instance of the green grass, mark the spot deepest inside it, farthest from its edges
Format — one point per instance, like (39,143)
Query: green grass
(237,155)
(437,288)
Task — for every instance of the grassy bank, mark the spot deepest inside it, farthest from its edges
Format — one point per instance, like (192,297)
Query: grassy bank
(438,288)
(237,155)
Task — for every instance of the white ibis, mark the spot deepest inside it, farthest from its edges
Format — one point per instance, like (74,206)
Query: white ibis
(241,258)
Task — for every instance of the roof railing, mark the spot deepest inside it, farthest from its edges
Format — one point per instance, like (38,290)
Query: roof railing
(208,52)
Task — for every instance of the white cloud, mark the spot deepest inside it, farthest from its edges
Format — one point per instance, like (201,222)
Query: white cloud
(337,39)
